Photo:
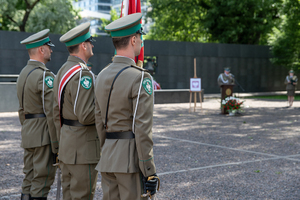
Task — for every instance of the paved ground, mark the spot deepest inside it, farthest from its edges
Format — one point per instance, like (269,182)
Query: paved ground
(201,155)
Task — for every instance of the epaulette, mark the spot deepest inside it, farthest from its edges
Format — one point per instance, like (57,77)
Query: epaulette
(139,68)
(107,66)
(83,66)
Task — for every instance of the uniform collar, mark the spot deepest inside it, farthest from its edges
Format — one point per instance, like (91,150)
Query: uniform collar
(37,63)
(75,59)
(123,59)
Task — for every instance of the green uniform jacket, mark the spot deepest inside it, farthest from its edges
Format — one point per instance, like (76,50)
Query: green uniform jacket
(124,155)
(289,86)
(77,145)
(36,132)
(225,80)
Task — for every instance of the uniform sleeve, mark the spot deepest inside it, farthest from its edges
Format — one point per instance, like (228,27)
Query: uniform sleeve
(285,81)
(99,124)
(233,81)
(56,118)
(219,80)
(21,115)
(20,110)
(143,124)
(85,105)
(48,105)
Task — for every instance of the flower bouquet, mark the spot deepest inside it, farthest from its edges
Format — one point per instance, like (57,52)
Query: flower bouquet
(232,105)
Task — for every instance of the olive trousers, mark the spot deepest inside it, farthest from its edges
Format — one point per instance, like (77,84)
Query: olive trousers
(39,171)
(122,186)
(78,181)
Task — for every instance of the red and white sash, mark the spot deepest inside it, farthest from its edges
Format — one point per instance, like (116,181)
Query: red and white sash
(64,80)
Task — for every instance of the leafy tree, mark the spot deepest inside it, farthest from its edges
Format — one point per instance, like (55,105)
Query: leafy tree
(35,15)
(224,21)
(178,20)
(285,40)
(242,22)
(105,22)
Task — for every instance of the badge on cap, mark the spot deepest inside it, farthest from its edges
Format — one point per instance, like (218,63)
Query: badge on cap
(147,85)
(86,82)
(49,81)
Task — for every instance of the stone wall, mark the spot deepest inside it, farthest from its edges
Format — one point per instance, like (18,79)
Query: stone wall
(249,63)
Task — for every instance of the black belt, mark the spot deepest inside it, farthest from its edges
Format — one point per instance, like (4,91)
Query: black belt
(74,123)
(120,135)
(30,116)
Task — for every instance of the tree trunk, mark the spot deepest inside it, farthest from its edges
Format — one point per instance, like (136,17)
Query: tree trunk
(29,8)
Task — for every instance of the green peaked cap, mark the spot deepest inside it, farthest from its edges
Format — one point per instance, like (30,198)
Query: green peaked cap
(76,35)
(125,26)
(38,39)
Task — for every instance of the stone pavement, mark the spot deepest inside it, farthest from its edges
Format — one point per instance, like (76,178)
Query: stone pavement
(201,155)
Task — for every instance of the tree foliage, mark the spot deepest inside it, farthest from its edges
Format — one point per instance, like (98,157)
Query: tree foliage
(178,20)
(35,15)
(285,40)
(242,22)
(104,22)
(224,21)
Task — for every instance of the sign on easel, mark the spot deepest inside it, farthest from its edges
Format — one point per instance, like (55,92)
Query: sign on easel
(195,87)
(195,84)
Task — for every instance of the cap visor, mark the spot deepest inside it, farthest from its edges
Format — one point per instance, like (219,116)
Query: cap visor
(50,44)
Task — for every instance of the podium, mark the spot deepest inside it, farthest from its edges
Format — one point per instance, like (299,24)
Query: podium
(226,91)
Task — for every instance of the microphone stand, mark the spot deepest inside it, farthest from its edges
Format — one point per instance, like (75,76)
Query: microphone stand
(241,89)
(239,85)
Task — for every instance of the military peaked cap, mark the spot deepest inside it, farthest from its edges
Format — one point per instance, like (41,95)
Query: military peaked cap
(77,35)
(227,69)
(126,26)
(38,39)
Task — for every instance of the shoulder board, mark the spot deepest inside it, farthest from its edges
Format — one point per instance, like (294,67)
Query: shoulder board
(107,66)
(139,68)
(83,66)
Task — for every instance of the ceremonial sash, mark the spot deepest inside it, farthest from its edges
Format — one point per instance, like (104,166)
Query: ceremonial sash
(64,80)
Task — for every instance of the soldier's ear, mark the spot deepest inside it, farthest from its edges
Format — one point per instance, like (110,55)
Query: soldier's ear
(41,49)
(83,45)
(133,40)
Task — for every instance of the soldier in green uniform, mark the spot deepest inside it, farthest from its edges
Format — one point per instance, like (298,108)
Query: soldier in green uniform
(124,114)
(74,116)
(35,94)
(226,78)
(291,82)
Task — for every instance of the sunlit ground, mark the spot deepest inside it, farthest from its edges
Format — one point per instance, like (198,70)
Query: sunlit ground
(202,154)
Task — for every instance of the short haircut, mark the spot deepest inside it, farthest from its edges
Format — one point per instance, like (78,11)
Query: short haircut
(32,51)
(121,43)
(73,49)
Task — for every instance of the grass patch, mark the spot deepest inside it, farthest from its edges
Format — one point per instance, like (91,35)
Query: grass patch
(277,97)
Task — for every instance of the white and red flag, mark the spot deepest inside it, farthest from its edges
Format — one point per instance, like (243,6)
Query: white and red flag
(129,7)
